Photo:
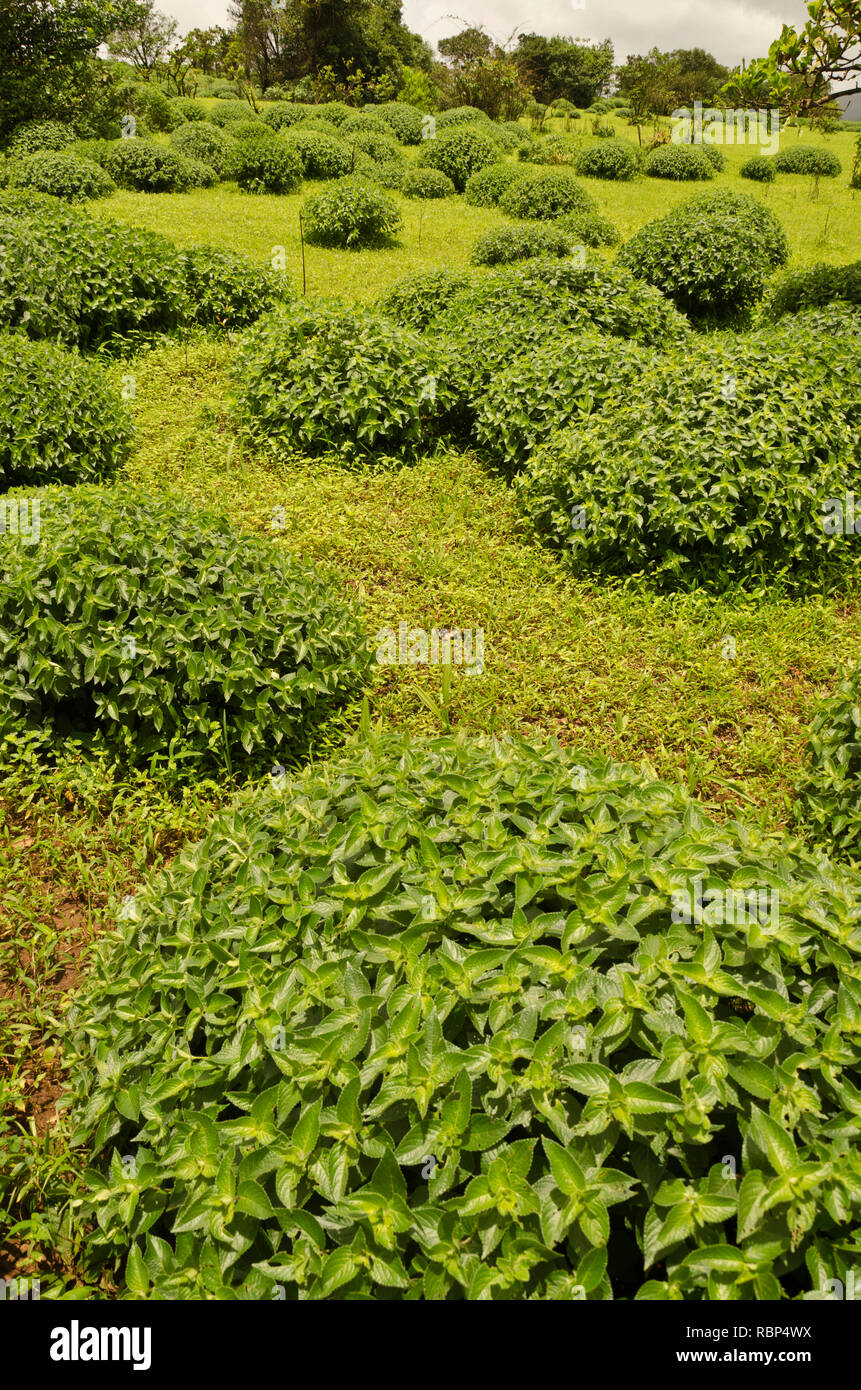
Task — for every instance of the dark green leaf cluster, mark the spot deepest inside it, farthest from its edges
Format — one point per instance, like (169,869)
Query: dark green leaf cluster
(459,153)
(426,183)
(149,168)
(225,291)
(269,166)
(209,143)
(323,156)
(718,467)
(461,115)
(402,120)
(759,168)
(187,109)
(416,299)
(32,136)
(367,122)
(545,196)
(484,189)
(142,626)
(251,129)
(62,175)
(588,229)
(60,421)
(467,1019)
(682,162)
(376,144)
(350,214)
(285,113)
(819,284)
(828,804)
(715,157)
(232,109)
(801,159)
(712,254)
(505,245)
(612,159)
(326,379)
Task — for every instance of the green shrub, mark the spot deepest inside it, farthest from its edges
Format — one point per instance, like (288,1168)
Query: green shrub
(269,166)
(225,291)
(715,470)
(350,214)
(224,92)
(403,121)
(612,159)
(552,149)
(505,245)
(712,255)
(146,101)
(828,793)
(198,174)
(87,282)
(603,130)
(484,189)
(187,109)
(32,136)
(818,285)
(800,159)
(683,162)
(62,175)
(491,1043)
(378,146)
(366,122)
(285,113)
(390,173)
(322,156)
(142,626)
(319,125)
(415,299)
(250,130)
(426,183)
(461,115)
(335,111)
(237,110)
(207,142)
(60,422)
(588,229)
(550,388)
(759,168)
(506,137)
(459,153)
(546,196)
(326,379)
(147,167)
(715,158)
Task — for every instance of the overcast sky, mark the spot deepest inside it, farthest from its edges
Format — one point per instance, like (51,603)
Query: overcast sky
(730,29)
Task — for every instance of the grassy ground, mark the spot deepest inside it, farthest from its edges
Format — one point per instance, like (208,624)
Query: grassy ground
(439,544)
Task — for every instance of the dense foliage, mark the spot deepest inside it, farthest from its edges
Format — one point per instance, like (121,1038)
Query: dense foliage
(484,189)
(141,625)
(612,159)
(828,804)
(60,421)
(326,379)
(801,159)
(62,175)
(416,299)
(207,142)
(426,183)
(588,229)
(683,162)
(717,469)
(150,168)
(459,153)
(817,285)
(712,254)
(268,166)
(759,168)
(33,136)
(466,1019)
(224,290)
(505,245)
(323,156)
(350,214)
(545,196)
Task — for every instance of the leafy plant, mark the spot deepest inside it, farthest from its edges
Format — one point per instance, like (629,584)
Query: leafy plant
(612,159)
(268,166)
(140,623)
(683,162)
(376,144)
(819,284)
(466,1019)
(484,189)
(350,214)
(403,120)
(148,167)
(322,156)
(459,153)
(326,379)
(505,245)
(416,299)
(801,159)
(715,157)
(545,196)
(588,229)
(461,115)
(828,794)
(233,109)
(33,136)
(60,421)
(426,183)
(61,175)
(716,470)
(712,255)
(207,142)
(759,168)
(552,149)
(224,290)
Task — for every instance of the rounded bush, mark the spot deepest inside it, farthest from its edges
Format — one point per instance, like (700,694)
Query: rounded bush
(326,379)
(612,159)
(350,214)
(459,154)
(505,245)
(508,136)
(800,159)
(415,299)
(269,166)
(715,470)
(250,130)
(317,124)
(60,421)
(226,291)
(588,229)
(711,255)
(187,109)
(494,1047)
(207,142)
(546,196)
(828,793)
(198,174)
(819,284)
(62,175)
(682,162)
(759,168)
(232,110)
(715,158)
(335,111)
(403,121)
(426,183)
(363,121)
(322,156)
(149,168)
(148,102)
(150,628)
(390,173)
(484,189)
(461,115)
(377,145)
(550,388)
(285,113)
(32,136)
(552,149)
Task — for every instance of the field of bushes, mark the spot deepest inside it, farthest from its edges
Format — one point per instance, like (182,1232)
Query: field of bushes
(429,706)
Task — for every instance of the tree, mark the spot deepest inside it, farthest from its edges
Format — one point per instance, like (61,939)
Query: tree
(803,68)
(146,42)
(563,68)
(466,48)
(48,62)
(657,83)
(207,49)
